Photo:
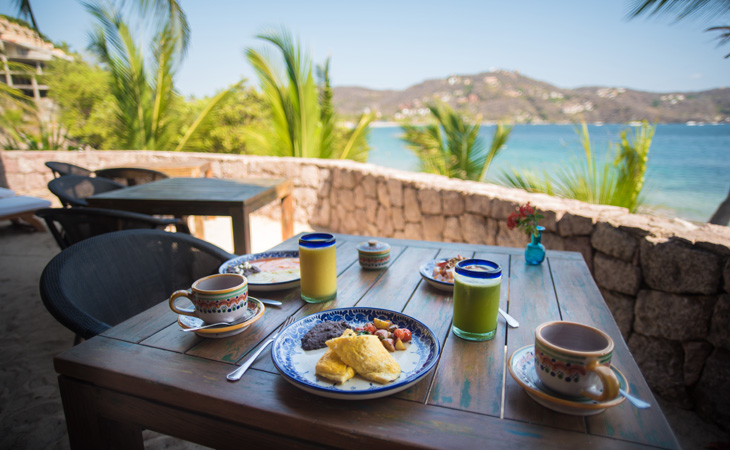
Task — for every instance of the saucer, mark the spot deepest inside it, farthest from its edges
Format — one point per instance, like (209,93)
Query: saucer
(522,368)
(254,312)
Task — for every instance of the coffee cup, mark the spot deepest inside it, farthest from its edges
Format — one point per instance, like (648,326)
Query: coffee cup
(574,359)
(216,298)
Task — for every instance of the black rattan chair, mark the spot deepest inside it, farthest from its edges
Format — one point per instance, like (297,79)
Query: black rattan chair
(131,176)
(72,225)
(73,190)
(61,169)
(104,280)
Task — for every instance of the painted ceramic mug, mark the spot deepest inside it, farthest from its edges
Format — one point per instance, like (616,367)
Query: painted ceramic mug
(574,359)
(217,298)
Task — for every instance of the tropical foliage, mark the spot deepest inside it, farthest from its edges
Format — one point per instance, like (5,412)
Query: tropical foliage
(619,181)
(83,95)
(142,88)
(451,145)
(688,8)
(303,122)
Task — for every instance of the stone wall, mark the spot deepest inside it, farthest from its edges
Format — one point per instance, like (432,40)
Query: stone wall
(667,282)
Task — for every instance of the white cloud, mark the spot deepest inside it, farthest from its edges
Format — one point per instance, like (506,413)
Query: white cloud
(696,76)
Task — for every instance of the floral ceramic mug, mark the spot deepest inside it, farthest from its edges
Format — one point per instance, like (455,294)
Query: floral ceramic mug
(217,298)
(574,359)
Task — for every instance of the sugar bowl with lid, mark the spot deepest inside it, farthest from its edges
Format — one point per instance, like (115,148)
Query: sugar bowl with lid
(373,254)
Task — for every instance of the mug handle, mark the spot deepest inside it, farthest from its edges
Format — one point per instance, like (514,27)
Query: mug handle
(185,312)
(608,379)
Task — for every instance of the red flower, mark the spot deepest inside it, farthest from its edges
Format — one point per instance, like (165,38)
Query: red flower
(526,218)
(512,221)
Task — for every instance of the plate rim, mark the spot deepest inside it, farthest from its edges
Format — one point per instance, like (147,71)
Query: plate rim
(256,257)
(370,393)
(215,330)
(561,401)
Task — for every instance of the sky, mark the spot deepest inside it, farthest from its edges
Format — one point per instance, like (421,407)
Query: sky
(399,43)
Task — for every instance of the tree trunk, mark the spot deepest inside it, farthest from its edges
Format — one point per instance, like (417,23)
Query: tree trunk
(722,215)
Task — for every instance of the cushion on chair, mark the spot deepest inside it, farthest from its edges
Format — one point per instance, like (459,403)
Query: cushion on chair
(5,192)
(12,206)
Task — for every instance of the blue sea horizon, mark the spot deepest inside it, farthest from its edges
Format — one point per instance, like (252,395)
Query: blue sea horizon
(686,176)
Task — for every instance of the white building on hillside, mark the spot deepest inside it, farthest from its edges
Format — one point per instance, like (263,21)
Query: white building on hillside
(23,45)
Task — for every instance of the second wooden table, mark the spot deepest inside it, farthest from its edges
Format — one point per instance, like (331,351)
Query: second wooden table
(206,197)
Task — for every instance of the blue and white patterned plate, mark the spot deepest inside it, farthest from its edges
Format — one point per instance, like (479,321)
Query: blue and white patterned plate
(297,365)
(522,368)
(427,274)
(263,287)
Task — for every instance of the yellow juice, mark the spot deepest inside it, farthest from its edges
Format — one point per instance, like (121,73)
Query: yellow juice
(318,269)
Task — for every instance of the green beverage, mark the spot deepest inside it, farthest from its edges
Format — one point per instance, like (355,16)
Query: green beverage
(477,284)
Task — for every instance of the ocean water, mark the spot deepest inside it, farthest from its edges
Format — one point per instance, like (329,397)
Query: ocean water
(688,174)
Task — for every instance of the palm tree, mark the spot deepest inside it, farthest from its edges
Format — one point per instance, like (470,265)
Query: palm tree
(143,89)
(451,146)
(303,121)
(25,10)
(617,182)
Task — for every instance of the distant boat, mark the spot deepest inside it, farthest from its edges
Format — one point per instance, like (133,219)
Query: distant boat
(691,123)
(635,123)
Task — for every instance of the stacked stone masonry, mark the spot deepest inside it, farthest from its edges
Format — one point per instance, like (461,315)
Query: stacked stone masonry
(667,282)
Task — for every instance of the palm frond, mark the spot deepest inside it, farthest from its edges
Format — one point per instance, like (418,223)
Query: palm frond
(25,10)
(682,9)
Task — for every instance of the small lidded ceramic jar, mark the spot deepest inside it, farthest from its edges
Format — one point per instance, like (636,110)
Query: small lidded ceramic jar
(374,254)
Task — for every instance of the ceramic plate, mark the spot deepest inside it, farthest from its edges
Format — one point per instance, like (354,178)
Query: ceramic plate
(522,368)
(254,312)
(427,274)
(297,365)
(263,287)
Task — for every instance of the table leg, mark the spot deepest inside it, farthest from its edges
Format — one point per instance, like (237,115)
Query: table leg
(241,231)
(87,429)
(287,217)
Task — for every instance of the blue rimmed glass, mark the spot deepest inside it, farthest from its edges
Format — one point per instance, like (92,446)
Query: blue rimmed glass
(477,284)
(318,267)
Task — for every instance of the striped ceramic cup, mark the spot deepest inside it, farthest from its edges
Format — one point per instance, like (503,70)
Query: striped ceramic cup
(217,298)
(574,359)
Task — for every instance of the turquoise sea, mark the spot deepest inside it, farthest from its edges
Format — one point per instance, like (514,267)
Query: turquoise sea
(689,166)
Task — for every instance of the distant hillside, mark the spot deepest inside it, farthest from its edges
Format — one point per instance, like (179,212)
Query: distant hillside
(503,95)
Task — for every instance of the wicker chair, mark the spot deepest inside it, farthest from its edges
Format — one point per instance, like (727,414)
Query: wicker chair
(104,280)
(72,190)
(72,225)
(61,169)
(131,176)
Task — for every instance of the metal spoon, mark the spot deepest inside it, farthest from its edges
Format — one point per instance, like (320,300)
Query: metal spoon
(641,404)
(510,320)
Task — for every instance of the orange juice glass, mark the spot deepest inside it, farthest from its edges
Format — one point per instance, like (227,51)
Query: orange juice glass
(318,267)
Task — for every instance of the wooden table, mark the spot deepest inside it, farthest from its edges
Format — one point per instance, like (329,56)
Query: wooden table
(146,373)
(206,197)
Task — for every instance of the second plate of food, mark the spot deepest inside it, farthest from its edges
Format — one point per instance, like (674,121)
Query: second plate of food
(298,365)
(439,273)
(267,271)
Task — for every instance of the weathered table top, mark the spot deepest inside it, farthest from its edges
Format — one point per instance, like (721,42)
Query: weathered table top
(147,373)
(205,197)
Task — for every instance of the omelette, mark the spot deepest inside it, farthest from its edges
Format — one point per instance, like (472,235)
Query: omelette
(330,365)
(366,354)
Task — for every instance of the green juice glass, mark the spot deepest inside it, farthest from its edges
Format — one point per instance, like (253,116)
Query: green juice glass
(477,283)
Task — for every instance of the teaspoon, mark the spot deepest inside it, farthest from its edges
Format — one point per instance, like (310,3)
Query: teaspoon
(510,320)
(641,404)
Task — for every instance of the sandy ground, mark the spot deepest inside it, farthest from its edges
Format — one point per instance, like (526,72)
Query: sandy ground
(31,415)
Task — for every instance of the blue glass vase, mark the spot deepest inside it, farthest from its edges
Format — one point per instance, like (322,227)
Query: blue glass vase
(535,251)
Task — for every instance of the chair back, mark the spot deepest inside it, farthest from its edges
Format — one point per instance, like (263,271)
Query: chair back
(61,169)
(131,176)
(104,280)
(72,225)
(73,190)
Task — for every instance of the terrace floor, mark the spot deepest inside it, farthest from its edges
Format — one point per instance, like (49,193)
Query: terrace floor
(31,415)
